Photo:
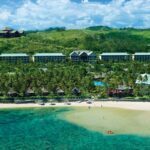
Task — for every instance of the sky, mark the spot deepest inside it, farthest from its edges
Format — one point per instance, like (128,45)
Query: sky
(74,14)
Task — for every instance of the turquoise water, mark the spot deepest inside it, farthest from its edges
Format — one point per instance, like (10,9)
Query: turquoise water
(41,129)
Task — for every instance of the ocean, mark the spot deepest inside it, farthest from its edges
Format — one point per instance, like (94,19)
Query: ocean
(46,129)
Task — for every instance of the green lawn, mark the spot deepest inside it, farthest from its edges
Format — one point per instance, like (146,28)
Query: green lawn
(113,40)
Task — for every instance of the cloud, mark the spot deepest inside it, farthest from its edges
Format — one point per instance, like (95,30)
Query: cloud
(4,16)
(42,14)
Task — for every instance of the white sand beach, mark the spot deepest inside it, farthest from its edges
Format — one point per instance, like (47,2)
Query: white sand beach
(125,105)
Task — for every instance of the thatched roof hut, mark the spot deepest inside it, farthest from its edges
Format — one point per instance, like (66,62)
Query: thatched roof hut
(30,92)
(76,91)
(12,93)
(59,91)
(44,91)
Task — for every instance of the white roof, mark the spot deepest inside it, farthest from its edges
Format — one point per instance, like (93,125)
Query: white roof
(79,52)
(148,53)
(123,87)
(13,55)
(144,81)
(49,54)
(114,54)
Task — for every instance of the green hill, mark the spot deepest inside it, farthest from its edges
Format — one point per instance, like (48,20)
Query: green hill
(99,39)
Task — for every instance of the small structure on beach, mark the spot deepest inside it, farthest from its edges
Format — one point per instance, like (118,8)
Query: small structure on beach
(76,91)
(12,93)
(44,91)
(60,92)
(30,92)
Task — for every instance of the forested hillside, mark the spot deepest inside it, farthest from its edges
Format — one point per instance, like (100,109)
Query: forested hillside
(98,39)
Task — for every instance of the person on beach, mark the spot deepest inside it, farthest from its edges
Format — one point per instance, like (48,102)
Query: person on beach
(89,107)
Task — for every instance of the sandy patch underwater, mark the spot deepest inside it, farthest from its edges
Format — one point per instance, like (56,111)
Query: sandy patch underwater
(120,121)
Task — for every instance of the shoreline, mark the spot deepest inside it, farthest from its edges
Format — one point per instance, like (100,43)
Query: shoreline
(145,106)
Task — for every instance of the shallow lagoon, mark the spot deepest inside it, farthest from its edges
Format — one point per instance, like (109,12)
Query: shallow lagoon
(120,121)
(50,128)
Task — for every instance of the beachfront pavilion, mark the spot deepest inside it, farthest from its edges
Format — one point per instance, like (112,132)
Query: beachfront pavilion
(83,55)
(44,91)
(144,57)
(120,91)
(48,57)
(60,92)
(12,93)
(29,92)
(15,57)
(115,57)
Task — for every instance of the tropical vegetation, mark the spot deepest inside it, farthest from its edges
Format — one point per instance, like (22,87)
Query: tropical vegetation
(17,79)
(97,39)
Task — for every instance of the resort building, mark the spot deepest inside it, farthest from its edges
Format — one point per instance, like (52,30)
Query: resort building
(141,56)
(76,91)
(48,57)
(10,33)
(83,55)
(121,91)
(143,79)
(15,57)
(115,57)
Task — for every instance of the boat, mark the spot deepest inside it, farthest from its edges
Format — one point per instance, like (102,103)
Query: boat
(68,103)
(89,102)
(53,103)
(110,132)
(42,104)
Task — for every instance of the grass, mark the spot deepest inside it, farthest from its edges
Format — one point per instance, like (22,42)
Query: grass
(65,41)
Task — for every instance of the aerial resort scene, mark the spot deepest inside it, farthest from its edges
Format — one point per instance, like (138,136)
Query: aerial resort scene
(75,75)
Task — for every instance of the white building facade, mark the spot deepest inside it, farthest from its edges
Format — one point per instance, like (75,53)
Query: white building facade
(15,57)
(145,57)
(48,57)
(115,57)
